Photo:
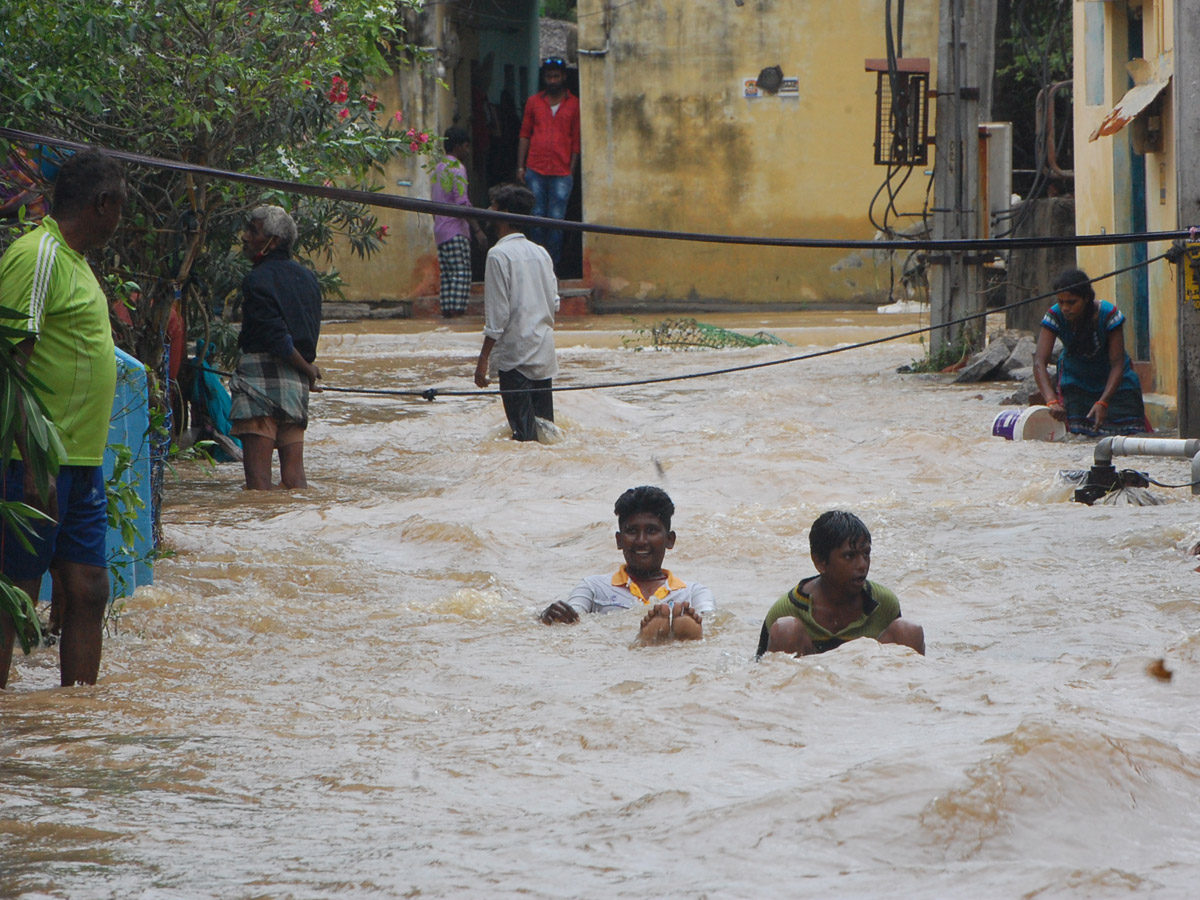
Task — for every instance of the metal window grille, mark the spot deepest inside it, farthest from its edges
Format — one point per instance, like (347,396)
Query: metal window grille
(902,126)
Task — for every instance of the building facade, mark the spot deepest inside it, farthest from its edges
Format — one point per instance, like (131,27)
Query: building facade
(482,63)
(677,135)
(1125,168)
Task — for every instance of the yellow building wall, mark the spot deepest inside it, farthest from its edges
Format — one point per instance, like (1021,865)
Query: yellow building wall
(406,266)
(1100,184)
(1162,213)
(670,142)
(433,95)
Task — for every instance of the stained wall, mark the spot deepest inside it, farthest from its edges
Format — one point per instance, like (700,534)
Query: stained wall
(1121,183)
(671,141)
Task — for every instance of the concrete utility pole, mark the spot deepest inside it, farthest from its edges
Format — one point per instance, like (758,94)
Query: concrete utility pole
(1186,104)
(966,52)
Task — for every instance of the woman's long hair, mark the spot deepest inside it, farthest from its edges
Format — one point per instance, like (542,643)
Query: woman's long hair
(1085,340)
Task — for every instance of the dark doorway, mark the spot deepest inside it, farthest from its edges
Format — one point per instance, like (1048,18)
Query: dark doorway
(571,263)
(495,129)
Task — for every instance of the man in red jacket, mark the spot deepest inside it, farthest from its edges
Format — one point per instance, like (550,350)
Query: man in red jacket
(548,151)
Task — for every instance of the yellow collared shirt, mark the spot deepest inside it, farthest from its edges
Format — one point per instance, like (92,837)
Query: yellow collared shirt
(602,593)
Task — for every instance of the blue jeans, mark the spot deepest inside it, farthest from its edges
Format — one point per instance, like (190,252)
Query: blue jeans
(550,195)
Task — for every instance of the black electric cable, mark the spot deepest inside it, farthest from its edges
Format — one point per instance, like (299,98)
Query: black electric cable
(1160,484)
(410,204)
(434,393)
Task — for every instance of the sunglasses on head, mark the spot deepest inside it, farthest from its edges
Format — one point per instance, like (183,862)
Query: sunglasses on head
(554,61)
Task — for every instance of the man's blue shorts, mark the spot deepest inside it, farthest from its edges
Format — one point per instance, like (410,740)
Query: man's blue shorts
(80,534)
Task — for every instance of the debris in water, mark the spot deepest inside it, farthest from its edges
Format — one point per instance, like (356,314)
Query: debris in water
(1159,670)
(1131,496)
(683,334)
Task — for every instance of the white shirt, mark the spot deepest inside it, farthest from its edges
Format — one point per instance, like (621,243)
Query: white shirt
(605,593)
(520,297)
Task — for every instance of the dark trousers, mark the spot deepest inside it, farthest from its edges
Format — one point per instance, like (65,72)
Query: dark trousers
(524,399)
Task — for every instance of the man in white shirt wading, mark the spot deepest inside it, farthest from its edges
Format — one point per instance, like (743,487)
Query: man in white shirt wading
(520,298)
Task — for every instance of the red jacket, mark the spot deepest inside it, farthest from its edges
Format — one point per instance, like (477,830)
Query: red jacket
(553,137)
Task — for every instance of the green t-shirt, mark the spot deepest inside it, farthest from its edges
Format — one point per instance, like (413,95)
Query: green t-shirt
(73,354)
(880,609)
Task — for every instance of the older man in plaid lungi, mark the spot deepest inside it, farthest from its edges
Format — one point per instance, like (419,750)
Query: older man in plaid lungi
(449,185)
(281,324)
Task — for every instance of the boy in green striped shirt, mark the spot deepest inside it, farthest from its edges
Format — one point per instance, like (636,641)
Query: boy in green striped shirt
(839,604)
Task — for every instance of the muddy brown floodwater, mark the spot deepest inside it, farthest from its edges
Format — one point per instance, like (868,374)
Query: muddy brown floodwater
(345,692)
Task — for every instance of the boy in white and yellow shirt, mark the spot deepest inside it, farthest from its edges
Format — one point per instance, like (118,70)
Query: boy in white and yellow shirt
(674,608)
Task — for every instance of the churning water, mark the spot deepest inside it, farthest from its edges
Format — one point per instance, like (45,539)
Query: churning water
(345,693)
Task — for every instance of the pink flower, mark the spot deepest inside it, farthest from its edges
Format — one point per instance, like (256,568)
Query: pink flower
(382,232)
(414,146)
(399,117)
(307,83)
(317,7)
(423,138)
(343,113)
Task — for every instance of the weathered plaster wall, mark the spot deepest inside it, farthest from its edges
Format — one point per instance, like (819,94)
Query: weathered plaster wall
(669,142)
(433,97)
(1102,167)
(1162,212)
(1094,187)
(407,264)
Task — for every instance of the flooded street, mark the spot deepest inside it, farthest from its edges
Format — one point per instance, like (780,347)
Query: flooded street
(346,693)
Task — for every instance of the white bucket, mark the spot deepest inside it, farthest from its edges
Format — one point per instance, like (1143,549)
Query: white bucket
(1034,423)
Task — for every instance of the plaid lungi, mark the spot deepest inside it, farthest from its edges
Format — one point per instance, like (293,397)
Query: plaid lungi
(265,386)
(454,259)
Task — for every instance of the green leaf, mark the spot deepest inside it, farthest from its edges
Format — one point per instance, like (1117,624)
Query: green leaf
(19,606)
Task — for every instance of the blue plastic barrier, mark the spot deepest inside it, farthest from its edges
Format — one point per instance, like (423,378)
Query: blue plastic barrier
(130,426)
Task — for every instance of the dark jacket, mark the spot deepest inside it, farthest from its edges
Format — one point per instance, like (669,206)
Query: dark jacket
(281,308)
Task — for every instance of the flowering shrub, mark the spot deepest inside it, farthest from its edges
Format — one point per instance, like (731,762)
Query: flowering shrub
(225,84)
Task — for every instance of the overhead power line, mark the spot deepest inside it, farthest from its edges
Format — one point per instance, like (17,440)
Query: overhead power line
(412,204)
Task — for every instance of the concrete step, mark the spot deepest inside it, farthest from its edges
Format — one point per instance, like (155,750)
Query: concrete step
(1162,413)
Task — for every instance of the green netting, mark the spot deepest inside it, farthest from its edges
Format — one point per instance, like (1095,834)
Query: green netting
(686,333)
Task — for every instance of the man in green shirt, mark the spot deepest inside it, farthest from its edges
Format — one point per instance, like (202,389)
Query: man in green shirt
(839,604)
(45,276)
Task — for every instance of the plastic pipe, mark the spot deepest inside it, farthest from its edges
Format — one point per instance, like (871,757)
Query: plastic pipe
(1135,446)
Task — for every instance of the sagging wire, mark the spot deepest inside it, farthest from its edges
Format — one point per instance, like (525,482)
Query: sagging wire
(413,204)
(1160,484)
(430,394)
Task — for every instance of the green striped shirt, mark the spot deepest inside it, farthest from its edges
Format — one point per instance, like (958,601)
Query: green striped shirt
(880,609)
(63,306)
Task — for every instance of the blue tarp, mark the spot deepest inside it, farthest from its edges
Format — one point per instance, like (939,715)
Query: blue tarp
(211,399)
(129,426)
